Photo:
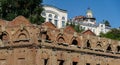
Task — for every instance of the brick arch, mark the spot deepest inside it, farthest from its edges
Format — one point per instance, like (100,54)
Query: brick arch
(75,41)
(24,33)
(99,45)
(4,36)
(22,36)
(61,38)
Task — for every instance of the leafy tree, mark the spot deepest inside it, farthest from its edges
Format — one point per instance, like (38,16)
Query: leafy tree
(113,34)
(106,22)
(30,9)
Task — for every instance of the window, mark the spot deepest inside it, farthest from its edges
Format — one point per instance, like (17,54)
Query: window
(50,15)
(63,18)
(43,14)
(101,25)
(50,20)
(84,28)
(63,23)
(56,22)
(56,17)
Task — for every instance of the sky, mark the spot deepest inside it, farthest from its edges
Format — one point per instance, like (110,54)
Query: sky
(102,9)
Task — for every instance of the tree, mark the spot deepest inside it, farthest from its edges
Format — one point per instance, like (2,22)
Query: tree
(30,9)
(106,22)
(113,34)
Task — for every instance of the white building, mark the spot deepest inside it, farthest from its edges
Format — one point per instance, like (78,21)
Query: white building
(89,22)
(55,15)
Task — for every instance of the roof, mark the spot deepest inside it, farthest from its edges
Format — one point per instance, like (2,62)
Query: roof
(88,32)
(49,25)
(55,7)
(20,20)
(69,29)
(16,22)
(79,17)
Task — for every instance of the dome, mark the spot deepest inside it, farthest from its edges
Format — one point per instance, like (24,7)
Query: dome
(89,13)
(89,10)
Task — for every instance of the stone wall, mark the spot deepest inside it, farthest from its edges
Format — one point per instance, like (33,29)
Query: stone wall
(22,43)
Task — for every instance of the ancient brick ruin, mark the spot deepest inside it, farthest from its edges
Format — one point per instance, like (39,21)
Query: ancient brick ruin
(23,43)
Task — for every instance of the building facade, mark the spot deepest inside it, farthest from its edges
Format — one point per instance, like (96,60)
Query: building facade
(88,22)
(55,15)
(22,43)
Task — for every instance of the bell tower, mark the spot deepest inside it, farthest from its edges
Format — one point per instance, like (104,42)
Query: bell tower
(89,13)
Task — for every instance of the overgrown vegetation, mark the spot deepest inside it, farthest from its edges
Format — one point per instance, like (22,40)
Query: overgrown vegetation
(113,34)
(30,9)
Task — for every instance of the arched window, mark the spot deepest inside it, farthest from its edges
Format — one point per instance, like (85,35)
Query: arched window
(63,18)
(56,17)
(50,15)
(74,42)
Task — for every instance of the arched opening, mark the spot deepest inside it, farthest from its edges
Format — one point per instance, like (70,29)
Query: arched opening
(22,36)
(61,40)
(74,63)
(118,48)
(98,45)
(109,48)
(47,39)
(4,37)
(61,62)
(88,44)
(74,42)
